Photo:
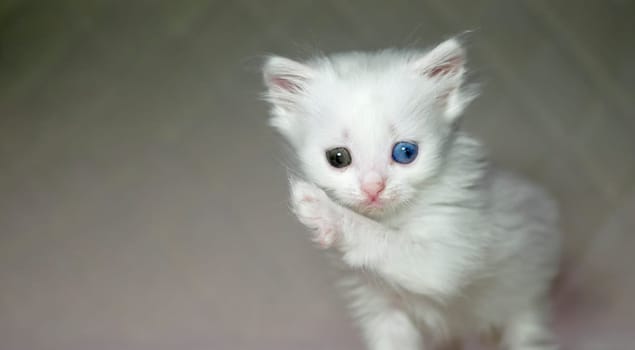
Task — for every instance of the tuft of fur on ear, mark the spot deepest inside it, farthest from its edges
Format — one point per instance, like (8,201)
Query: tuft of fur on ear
(285,80)
(444,65)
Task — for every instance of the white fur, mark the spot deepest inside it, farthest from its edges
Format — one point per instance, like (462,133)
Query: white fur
(457,248)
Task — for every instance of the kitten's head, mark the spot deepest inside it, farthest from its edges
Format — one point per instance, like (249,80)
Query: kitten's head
(369,128)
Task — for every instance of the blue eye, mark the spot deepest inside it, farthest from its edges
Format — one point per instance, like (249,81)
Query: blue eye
(404,152)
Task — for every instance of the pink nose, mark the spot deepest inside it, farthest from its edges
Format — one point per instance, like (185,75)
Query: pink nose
(372,185)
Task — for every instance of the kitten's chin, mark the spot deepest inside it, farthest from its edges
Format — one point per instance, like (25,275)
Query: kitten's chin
(375,208)
(373,212)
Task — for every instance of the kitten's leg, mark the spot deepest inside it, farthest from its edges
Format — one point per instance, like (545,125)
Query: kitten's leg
(390,330)
(315,210)
(362,240)
(368,244)
(384,326)
(529,330)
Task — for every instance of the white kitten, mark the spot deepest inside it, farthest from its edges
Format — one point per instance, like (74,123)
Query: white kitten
(437,244)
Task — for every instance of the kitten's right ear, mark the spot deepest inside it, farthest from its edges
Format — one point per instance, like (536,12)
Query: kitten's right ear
(286,80)
(444,65)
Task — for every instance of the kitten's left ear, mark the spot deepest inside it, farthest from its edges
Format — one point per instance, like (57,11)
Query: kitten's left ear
(286,80)
(444,66)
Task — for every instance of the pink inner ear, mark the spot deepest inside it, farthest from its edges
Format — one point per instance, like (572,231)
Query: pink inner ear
(285,83)
(449,66)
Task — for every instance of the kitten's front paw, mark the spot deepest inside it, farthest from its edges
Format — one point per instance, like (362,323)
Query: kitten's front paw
(315,210)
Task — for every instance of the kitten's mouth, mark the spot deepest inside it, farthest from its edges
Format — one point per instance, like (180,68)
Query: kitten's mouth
(379,205)
(374,204)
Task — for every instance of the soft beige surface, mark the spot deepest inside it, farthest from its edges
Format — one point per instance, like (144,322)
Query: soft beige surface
(143,198)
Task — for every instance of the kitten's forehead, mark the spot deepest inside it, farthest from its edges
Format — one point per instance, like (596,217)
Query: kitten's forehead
(355,111)
(359,116)
(371,103)
(368,106)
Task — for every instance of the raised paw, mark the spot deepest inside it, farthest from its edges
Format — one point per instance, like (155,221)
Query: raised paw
(315,210)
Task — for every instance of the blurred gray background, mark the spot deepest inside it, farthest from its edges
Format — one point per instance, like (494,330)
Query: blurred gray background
(143,197)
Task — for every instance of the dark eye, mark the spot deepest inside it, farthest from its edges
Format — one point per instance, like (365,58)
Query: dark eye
(404,152)
(338,157)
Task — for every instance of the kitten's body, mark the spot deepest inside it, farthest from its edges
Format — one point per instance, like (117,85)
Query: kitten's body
(452,247)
